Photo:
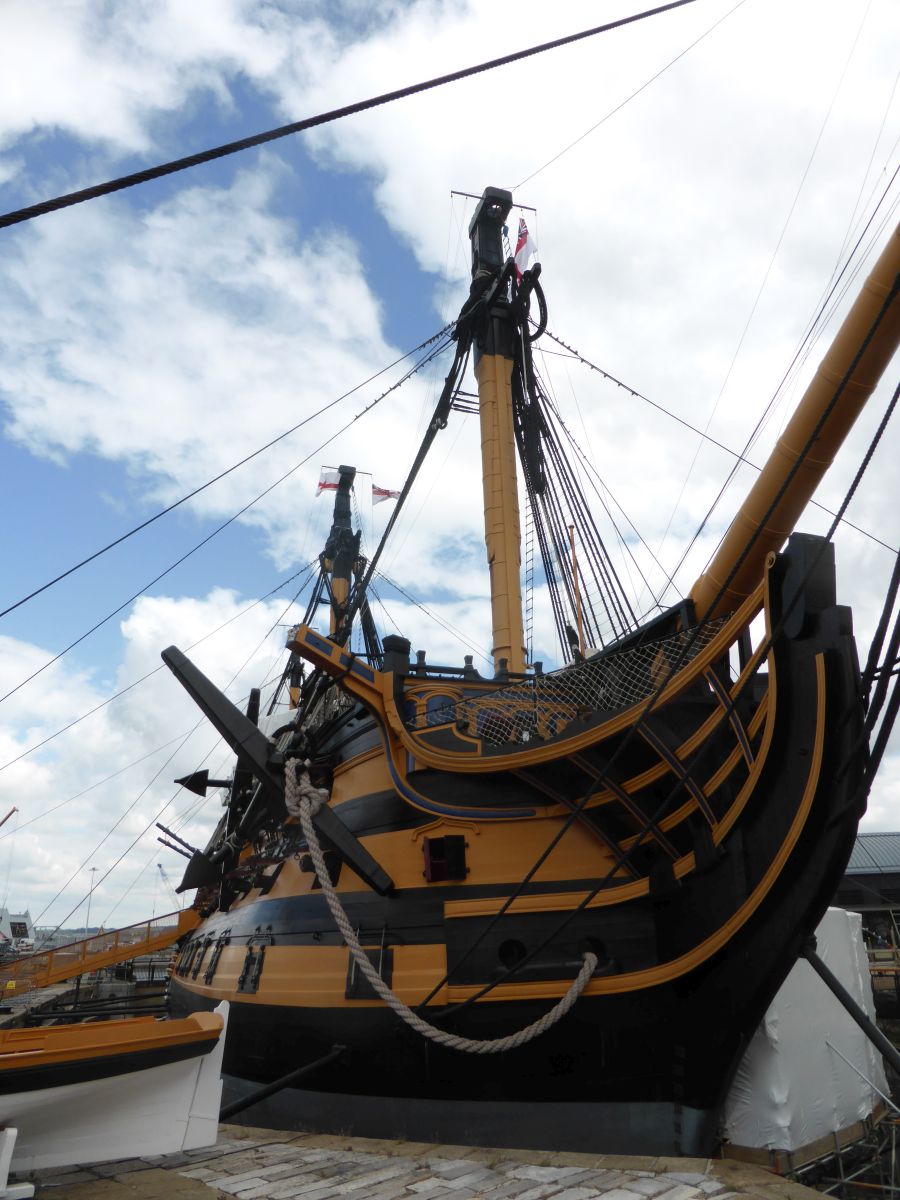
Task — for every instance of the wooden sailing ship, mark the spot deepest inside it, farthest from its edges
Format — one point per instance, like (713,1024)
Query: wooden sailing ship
(674,809)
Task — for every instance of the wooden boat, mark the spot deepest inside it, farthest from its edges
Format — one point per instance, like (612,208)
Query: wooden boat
(90,1092)
(665,818)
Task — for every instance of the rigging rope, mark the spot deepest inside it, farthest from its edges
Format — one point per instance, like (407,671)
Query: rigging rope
(604,772)
(558,506)
(225,524)
(143,678)
(437,423)
(807,342)
(271,135)
(755,305)
(234,467)
(741,457)
(442,621)
(612,112)
(591,468)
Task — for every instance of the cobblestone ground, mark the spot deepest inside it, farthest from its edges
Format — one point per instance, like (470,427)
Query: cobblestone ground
(258,1164)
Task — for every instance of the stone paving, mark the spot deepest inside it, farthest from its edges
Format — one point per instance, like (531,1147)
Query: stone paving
(259,1164)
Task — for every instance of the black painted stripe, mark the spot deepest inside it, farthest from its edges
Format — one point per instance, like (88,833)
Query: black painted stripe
(61,1074)
(414,914)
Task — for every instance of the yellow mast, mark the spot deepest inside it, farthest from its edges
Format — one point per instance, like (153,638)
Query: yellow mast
(493,371)
(878,303)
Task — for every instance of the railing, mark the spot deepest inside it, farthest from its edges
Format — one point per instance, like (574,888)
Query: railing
(546,704)
(46,967)
(333,704)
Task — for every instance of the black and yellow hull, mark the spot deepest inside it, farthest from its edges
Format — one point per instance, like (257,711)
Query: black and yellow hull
(694,931)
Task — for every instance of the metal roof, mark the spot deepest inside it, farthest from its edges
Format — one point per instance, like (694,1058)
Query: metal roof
(875,853)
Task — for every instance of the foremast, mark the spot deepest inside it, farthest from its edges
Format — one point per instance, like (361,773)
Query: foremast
(341,551)
(494,358)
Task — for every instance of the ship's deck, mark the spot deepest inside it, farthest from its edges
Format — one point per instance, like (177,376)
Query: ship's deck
(261,1164)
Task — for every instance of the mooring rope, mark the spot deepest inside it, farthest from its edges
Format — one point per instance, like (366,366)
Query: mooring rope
(304,801)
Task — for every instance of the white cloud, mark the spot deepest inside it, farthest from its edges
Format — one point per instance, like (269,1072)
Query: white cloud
(103,73)
(143,740)
(177,341)
(656,232)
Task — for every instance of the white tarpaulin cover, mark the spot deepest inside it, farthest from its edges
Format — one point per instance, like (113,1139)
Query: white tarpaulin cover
(791,1087)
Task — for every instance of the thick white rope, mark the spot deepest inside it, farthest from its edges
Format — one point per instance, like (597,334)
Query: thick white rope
(303,801)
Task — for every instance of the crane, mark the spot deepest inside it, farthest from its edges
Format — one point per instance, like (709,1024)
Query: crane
(168,882)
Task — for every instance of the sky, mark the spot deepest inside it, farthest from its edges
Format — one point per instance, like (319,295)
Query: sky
(697,178)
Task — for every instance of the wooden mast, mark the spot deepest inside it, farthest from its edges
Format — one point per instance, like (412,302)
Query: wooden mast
(493,371)
(877,307)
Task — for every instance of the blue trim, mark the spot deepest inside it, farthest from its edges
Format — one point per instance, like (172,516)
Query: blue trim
(349,661)
(445,810)
(319,643)
(352,664)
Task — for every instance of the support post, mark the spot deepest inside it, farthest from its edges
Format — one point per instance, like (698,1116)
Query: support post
(278,1085)
(866,1024)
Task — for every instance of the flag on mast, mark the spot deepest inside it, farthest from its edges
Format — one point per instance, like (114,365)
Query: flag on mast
(526,249)
(381,493)
(328,480)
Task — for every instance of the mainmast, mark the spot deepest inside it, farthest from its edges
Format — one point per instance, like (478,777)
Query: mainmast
(493,370)
(861,350)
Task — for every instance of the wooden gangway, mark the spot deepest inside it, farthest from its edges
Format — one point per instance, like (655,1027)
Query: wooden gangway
(47,967)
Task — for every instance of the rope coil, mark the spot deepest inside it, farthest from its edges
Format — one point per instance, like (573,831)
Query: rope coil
(304,801)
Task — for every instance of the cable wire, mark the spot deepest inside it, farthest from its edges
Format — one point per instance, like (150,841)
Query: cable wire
(336,114)
(143,678)
(739,456)
(612,112)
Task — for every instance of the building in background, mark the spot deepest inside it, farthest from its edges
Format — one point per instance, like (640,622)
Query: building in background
(15,928)
(871,886)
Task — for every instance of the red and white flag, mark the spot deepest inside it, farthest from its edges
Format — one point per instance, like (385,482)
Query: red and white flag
(380,493)
(526,249)
(328,480)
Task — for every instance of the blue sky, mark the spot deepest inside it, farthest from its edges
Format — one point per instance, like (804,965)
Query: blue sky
(153,338)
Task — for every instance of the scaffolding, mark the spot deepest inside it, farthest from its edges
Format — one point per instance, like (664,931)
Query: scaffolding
(850,1170)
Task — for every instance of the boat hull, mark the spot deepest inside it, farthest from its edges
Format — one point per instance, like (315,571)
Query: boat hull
(690,957)
(620,1127)
(160,1096)
(645,1070)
